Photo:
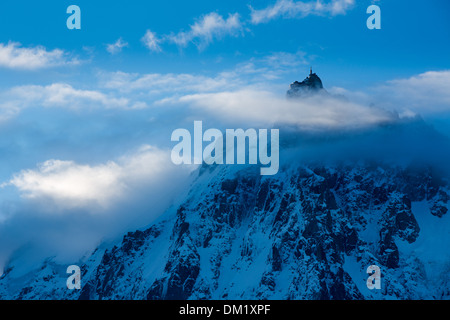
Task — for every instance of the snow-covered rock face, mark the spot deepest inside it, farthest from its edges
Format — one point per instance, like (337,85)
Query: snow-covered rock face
(309,232)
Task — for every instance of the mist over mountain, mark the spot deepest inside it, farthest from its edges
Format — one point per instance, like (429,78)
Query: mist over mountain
(342,201)
(352,96)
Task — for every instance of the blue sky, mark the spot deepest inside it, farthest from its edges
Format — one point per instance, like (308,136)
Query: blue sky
(412,39)
(86,115)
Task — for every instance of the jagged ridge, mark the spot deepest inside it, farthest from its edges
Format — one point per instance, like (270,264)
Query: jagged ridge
(307,233)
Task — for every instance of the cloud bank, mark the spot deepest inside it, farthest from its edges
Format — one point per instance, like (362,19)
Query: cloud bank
(427,92)
(263,108)
(67,208)
(61,95)
(81,176)
(69,185)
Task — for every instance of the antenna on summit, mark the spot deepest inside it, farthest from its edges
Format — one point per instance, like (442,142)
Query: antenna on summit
(310,70)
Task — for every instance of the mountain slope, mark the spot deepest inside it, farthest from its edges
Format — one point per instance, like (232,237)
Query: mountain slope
(309,232)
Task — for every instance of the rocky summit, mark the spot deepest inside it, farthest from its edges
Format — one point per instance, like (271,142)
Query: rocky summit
(310,86)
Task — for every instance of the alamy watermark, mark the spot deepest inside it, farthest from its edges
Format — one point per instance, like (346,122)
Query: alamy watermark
(74,20)
(259,150)
(74,280)
(374,280)
(374,20)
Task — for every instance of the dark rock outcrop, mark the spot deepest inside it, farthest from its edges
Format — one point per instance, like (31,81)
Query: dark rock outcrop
(311,85)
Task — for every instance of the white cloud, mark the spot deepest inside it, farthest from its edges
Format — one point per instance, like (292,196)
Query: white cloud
(249,73)
(13,56)
(294,9)
(64,208)
(208,27)
(156,83)
(117,46)
(62,95)
(8,109)
(269,67)
(423,93)
(151,41)
(69,185)
(263,108)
